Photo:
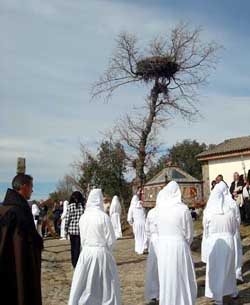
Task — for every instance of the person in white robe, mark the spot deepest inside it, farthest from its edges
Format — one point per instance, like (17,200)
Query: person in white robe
(133,202)
(137,218)
(63,218)
(35,212)
(36,216)
(135,199)
(237,239)
(115,214)
(175,265)
(152,276)
(219,224)
(95,280)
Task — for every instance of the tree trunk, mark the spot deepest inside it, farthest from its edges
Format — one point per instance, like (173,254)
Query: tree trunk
(140,162)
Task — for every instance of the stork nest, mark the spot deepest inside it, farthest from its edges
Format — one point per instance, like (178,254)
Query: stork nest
(158,66)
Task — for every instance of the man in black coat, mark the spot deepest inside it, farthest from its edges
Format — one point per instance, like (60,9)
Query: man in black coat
(20,247)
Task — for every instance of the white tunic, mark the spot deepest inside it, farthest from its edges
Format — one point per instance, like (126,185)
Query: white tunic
(137,218)
(175,265)
(152,277)
(237,239)
(115,214)
(246,192)
(220,271)
(35,212)
(95,280)
(133,202)
(220,224)
(63,217)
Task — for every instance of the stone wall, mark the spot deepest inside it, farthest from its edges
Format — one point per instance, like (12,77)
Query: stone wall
(206,180)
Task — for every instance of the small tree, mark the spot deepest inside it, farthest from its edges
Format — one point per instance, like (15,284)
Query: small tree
(182,154)
(106,170)
(64,189)
(86,170)
(174,68)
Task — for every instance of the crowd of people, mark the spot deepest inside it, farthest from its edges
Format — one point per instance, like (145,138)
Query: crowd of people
(166,231)
(240,192)
(40,215)
(41,219)
(66,217)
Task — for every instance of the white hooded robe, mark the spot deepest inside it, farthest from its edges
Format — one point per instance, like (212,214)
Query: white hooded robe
(219,229)
(95,280)
(137,218)
(115,214)
(237,239)
(152,277)
(35,212)
(133,202)
(63,217)
(176,269)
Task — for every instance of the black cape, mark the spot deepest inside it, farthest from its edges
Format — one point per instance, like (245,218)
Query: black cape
(20,253)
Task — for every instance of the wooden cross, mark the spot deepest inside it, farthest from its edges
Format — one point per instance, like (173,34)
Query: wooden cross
(21,166)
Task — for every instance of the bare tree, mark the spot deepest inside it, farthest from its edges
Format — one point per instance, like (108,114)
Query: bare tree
(174,67)
(64,189)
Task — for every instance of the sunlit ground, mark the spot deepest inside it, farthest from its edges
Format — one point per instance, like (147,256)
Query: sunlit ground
(57,271)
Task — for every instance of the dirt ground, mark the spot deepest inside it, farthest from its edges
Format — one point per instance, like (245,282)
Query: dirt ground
(57,272)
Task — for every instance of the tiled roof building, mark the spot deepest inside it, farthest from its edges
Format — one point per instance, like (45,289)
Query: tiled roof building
(232,155)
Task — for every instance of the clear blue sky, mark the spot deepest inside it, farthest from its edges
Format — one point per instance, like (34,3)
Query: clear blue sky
(52,50)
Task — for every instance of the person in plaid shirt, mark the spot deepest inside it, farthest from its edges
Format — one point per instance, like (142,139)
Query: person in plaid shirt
(74,212)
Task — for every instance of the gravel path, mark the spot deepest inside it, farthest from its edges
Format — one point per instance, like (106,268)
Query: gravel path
(57,273)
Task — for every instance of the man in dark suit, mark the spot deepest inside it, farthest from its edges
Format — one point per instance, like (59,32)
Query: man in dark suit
(236,190)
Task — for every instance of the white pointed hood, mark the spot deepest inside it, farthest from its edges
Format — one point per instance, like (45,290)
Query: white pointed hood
(215,204)
(115,206)
(65,204)
(95,199)
(134,200)
(229,202)
(169,196)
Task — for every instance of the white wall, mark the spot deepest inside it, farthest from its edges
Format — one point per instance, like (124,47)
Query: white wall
(227,167)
